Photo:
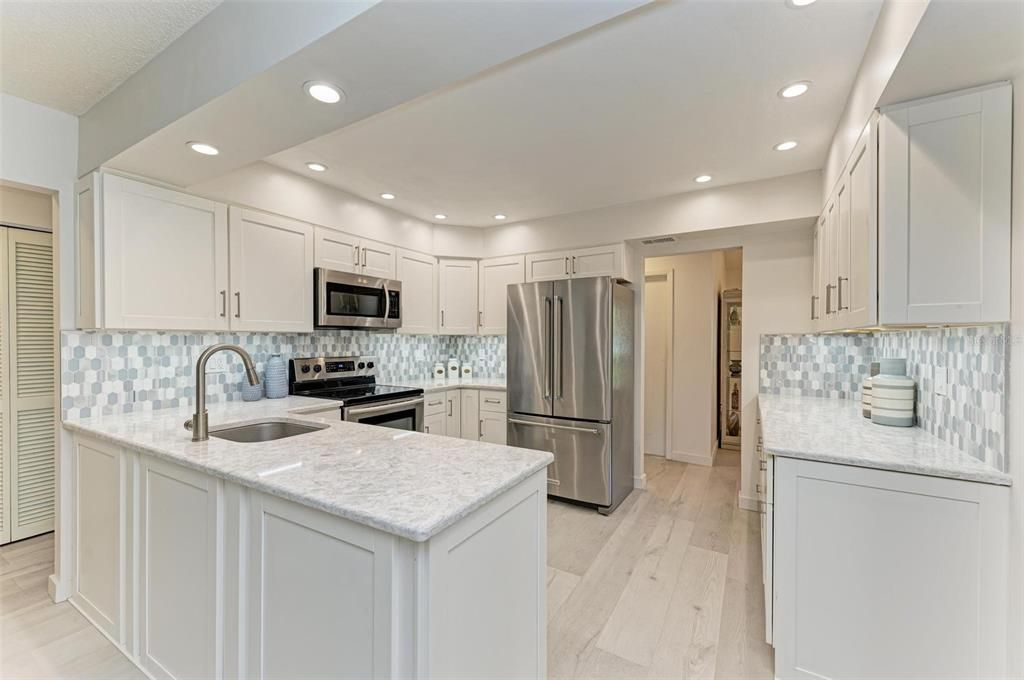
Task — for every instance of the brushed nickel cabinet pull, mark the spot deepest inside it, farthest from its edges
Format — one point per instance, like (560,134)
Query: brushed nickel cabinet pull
(442,318)
(355,256)
(814,308)
(450,405)
(839,291)
(566,266)
(364,257)
(223,303)
(481,429)
(828,299)
(573,264)
(238,304)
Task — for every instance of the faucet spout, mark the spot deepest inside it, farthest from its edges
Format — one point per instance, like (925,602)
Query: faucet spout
(198,424)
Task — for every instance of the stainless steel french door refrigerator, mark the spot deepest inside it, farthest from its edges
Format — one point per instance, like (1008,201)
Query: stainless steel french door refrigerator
(570,384)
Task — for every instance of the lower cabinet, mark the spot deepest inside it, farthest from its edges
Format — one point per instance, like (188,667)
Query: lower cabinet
(453,413)
(192,576)
(467,414)
(435,415)
(470,414)
(887,574)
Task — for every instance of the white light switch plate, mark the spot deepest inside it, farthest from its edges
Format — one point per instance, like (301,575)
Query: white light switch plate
(218,363)
(941,380)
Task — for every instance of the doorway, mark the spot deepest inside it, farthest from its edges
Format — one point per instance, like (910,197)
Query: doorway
(658,319)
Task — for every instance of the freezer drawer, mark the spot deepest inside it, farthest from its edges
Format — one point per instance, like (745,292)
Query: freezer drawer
(582,467)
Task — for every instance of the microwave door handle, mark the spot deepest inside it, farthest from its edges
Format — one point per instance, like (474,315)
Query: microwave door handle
(387,303)
(382,408)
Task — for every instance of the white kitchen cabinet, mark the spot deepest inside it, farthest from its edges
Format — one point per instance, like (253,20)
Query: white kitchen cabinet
(149,257)
(271,272)
(471,426)
(496,275)
(493,417)
(453,413)
(435,424)
(916,565)
(344,252)
(180,591)
(610,260)
(435,415)
(457,293)
(944,206)
(418,274)
(857,278)
(818,279)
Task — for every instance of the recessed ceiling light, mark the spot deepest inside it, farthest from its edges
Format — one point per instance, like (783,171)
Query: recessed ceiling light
(499,216)
(323,92)
(800,3)
(785,146)
(702,178)
(203,148)
(440,216)
(317,167)
(387,196)
(795,89)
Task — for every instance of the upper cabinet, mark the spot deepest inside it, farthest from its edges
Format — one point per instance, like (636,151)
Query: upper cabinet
(271,272)
(418,274)
(457,293)
(945,208)
(917,228)
(150,257)
(496,275)
(347,253)
(612,260)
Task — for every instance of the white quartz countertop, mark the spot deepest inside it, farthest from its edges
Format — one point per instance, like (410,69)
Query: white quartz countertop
(409,484)
(429,385)
(834,431)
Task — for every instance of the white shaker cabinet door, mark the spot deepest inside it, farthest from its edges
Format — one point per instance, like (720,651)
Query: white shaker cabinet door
(471,425)
(547,266)
(458,296)
(271,273)
(945,208)
(378,259)
(857,292)
(493,427)
(598,261)
(418,274)
(453,413)
(337,250)
(496,275)
(165,258)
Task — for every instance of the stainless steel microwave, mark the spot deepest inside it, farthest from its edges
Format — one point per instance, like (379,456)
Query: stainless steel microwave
(344,300)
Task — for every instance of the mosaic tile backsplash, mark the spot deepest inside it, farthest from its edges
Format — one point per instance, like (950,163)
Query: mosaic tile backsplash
(970,416)
(106,373)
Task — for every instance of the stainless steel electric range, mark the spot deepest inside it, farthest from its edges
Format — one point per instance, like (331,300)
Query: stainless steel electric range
(352,382)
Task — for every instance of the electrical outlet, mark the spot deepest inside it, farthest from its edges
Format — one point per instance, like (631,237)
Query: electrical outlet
(941,380)
(218,363)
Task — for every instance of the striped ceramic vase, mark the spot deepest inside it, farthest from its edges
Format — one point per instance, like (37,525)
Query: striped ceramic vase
(892,394)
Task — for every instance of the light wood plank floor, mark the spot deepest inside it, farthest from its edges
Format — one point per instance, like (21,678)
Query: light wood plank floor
(668,586)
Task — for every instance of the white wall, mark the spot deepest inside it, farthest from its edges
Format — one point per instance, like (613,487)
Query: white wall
(774,200)
(893,29)
(693,380)
(39,148)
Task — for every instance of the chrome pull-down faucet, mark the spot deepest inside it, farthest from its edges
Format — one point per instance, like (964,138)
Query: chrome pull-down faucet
(198,425)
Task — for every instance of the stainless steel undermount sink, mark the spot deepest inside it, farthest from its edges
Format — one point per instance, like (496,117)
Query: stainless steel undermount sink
(266,431)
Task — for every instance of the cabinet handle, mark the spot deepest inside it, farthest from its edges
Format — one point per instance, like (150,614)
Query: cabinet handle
(828,299)
(814,308)
(442,318)
(435,403)
(238,304)
(426,429)
(355,256)
(492,401)
(573,264)
(481,430)
(839,291)
(480,318)
(566,266)
(450,403)
(364,256)
(223,303)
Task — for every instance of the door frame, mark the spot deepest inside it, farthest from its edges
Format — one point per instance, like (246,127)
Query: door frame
(669,275)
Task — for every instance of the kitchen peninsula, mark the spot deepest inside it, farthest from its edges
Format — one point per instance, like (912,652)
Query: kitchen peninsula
(348,551)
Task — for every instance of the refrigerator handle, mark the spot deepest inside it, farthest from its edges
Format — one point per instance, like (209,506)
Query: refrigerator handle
(558,346)
(547,336)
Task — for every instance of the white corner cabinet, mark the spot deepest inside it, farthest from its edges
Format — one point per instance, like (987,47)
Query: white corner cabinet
(191,576)
(496,275)
(611,260)
(917,228)
(154,258)
(917,565)
(418,274)
(457,296)
(479,415)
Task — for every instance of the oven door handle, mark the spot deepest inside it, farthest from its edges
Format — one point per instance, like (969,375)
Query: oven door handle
(381,408)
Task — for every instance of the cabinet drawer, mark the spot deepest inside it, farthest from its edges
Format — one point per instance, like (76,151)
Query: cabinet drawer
(433,403)
(493,402)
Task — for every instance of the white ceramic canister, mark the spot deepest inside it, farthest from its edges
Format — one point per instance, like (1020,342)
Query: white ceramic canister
(467,371)
(439,372)
(892,394)
(453,368)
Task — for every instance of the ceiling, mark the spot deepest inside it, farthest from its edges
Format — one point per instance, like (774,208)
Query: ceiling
(69,55)
(631,109)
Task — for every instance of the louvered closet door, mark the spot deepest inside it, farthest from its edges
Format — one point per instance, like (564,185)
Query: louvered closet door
(30,381)
(5,401)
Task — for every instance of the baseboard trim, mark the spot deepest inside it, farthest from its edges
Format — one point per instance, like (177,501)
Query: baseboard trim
(640,482)
(749,503)
(58,591)
(693,458)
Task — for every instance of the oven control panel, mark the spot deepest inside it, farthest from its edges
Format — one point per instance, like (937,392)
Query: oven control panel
(324,368)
